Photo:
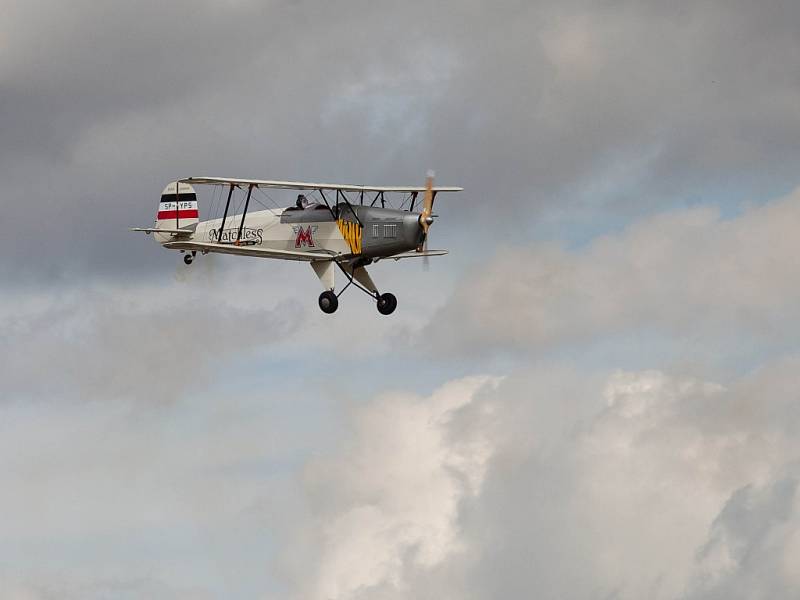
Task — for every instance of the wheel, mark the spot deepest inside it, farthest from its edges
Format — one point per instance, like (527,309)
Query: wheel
(386,303)
(188,258)
(328,302)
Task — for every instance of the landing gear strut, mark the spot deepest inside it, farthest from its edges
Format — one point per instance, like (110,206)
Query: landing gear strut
(358,277)
(328,302)
(386,303)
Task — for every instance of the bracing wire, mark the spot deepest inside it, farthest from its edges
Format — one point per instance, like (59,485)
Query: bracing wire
(213,209)
(268,197)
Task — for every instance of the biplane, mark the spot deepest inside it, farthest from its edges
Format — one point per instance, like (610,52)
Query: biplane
(344,227)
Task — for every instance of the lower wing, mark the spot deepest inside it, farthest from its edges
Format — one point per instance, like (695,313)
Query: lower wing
(258,252)
(422,254)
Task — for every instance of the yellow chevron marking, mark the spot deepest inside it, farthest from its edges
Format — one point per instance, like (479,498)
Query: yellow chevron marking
(351,232)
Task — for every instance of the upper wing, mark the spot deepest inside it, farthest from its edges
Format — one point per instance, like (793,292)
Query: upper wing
(300,185)
(250,251)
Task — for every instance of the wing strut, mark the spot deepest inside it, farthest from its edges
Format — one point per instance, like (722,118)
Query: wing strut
(225,214)
(378,196)
(330,208)
(244,214)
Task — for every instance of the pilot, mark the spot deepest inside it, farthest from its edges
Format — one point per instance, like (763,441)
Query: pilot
(302,201)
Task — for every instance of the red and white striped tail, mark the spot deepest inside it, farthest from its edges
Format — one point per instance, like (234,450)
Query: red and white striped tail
(177,208)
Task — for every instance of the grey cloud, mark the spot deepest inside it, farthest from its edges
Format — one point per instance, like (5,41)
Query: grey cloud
(65,589)
(530,106)
(115,343)
(113,499)
(653,102)
(752,550)
(561,483)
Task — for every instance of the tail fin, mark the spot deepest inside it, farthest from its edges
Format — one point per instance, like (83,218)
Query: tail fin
(178,208)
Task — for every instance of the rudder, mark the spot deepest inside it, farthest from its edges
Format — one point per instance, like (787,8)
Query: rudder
(177,208)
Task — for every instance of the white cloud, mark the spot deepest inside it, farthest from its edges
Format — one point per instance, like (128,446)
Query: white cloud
(648,485)
(561,485)
(387,502)
(684,273)
(551,481)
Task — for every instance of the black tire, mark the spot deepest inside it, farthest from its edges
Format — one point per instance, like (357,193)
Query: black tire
(188,258)
(328,302)
(386,303)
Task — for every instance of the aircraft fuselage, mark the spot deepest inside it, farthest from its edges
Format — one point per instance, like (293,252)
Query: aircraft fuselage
(385,231)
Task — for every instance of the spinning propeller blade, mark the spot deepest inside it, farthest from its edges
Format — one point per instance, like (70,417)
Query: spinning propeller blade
(426,218)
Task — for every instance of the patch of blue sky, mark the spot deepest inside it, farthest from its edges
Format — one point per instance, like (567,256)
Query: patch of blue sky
(719,354)
(628,187)
(577,221)
(309,393)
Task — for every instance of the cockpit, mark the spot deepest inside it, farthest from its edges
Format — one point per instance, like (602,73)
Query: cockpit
(309,206)
(304,203)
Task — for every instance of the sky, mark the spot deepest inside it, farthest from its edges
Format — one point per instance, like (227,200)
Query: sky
(594,395)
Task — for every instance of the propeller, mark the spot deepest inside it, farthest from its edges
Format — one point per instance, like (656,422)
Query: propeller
(426,217)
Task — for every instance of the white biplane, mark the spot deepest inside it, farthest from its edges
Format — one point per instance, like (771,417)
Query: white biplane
(330,230)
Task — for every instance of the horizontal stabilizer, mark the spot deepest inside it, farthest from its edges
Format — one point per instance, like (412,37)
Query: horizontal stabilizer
(162,230)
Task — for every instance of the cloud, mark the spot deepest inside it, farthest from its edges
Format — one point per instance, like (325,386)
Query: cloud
(119,499)
(559,107)
(386,503)
(753,550)
(631,488)
(129,500)
(686,273)
(552,481)
(65,588)
(194,328)
(558,483)
(566,480)
(149,343)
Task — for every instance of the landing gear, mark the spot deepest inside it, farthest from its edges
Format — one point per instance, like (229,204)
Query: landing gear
(188,258)
(386,303)
(328,302)
(358,277)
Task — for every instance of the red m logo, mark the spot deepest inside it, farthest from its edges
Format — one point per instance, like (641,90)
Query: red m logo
(305,237)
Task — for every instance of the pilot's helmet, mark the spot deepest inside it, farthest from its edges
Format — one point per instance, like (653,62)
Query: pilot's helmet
(302,201)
